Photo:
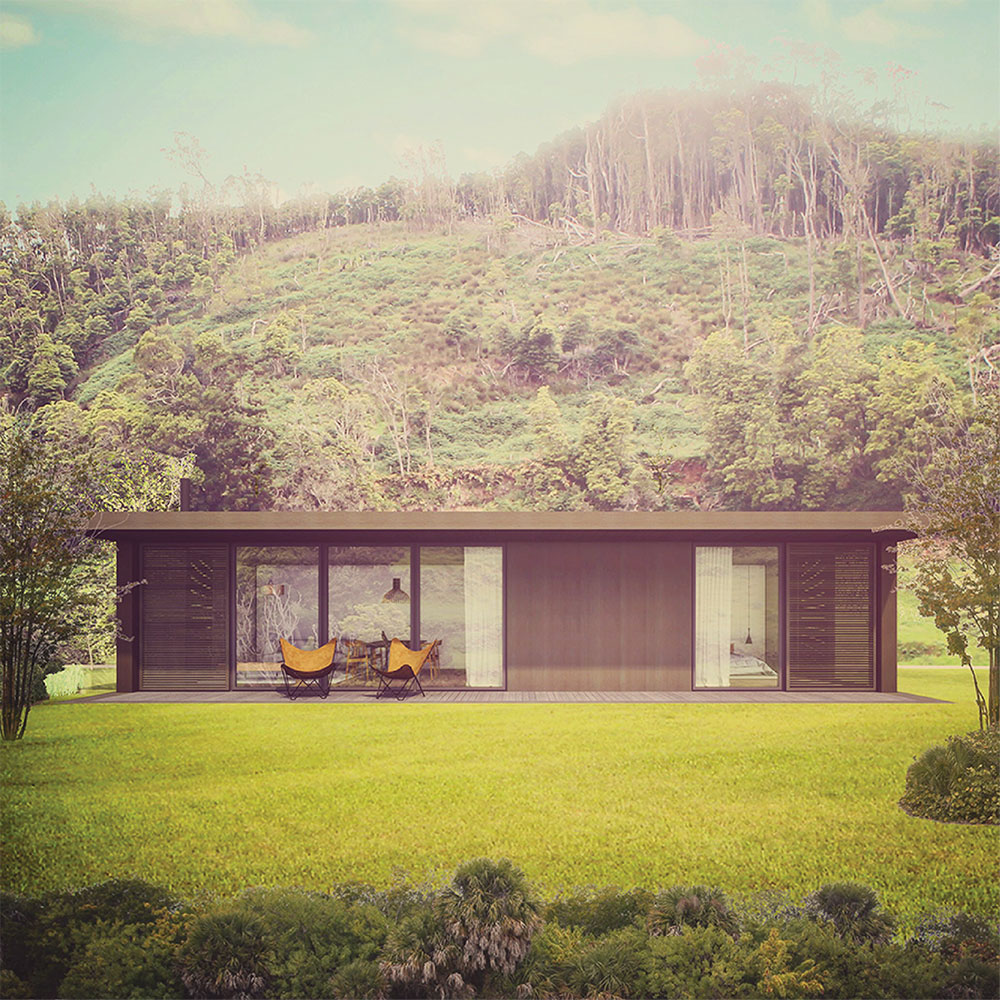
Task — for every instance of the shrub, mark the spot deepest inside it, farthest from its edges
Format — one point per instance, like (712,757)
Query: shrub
(969,945)
(311,936)
(614,965)
(957,934)
(41,937)
(66,681)
(13,987)
(851,968)
(598,911)
(128,960)
(18,923)
(398,901)
(690,906)
(853,910)
(696,961)
(226,955)
(957,782)
(774,975)
(127,900)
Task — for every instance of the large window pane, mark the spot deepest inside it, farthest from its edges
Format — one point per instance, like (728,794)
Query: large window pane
(461,606)
(277,596)
(369,597)
(736,616)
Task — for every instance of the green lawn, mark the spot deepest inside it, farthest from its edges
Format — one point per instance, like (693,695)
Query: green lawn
(212,798)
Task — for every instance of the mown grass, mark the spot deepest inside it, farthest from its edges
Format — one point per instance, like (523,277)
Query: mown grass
(213,798)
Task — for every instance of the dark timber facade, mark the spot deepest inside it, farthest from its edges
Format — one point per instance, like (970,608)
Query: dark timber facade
(676,601)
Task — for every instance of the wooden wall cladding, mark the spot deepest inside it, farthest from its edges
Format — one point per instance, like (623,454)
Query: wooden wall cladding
(184,636)
(831,619)
(598,616)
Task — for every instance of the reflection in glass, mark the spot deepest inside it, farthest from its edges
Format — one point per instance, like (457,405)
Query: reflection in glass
(461,606)
(369,596)
(736,616)
(277,595)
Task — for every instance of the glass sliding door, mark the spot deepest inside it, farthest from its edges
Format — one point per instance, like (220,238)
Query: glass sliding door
(370,597)
(736,616)
(277,596)
(461,608)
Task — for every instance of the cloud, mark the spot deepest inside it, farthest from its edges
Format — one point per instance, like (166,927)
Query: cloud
(817,14)
(153,19)
(877,26)
(15,32)
(563,32)
(884,23)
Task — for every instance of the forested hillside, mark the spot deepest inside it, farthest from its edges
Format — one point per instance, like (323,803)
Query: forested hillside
(703,299)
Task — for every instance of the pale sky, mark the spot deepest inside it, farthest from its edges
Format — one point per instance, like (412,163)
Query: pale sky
(331,94)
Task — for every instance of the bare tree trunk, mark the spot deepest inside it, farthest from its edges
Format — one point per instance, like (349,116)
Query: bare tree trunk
(885,271)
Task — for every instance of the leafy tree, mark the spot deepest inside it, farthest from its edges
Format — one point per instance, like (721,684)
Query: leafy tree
(905,410)
(740,392)
(550,480)
(46,381)
(42,510)
(831,430)
(535,349)
(978,333)
(954,505)
(606,450)
(280,349)
(551,441)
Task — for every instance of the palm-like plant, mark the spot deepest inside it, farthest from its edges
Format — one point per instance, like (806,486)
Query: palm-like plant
(225,956)
(690,906)
(490,912)
(854,911)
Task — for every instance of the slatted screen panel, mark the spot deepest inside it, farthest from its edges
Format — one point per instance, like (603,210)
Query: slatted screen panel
(831,620)
(185,630)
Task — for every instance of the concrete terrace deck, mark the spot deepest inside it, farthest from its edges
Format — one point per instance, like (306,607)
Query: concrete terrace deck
(518,697)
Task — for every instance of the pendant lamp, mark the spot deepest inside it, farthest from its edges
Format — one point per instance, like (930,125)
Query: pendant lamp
(748,639)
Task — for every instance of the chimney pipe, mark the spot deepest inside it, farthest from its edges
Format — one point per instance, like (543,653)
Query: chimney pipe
(185,494)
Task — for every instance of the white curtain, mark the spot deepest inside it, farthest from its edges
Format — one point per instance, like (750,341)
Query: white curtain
(713,597)
(484,616)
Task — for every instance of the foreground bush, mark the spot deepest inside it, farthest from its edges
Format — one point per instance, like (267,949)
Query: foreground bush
(957,782)
(597,911)
(47,938)
(485,935)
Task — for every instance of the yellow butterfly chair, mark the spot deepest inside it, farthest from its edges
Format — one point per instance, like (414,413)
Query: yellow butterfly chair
(403,669)
(307,667)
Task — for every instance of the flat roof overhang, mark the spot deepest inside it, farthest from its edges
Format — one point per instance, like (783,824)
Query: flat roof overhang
(371,527)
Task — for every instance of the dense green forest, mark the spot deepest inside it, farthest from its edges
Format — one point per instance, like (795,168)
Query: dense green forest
(703,299)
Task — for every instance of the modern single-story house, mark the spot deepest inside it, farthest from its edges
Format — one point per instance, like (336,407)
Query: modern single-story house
(525,601)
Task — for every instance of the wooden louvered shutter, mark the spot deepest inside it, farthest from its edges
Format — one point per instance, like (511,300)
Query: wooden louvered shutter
(185,630)
(831,622)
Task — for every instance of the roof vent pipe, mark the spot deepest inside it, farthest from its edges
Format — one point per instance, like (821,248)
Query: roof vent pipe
(185,494)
